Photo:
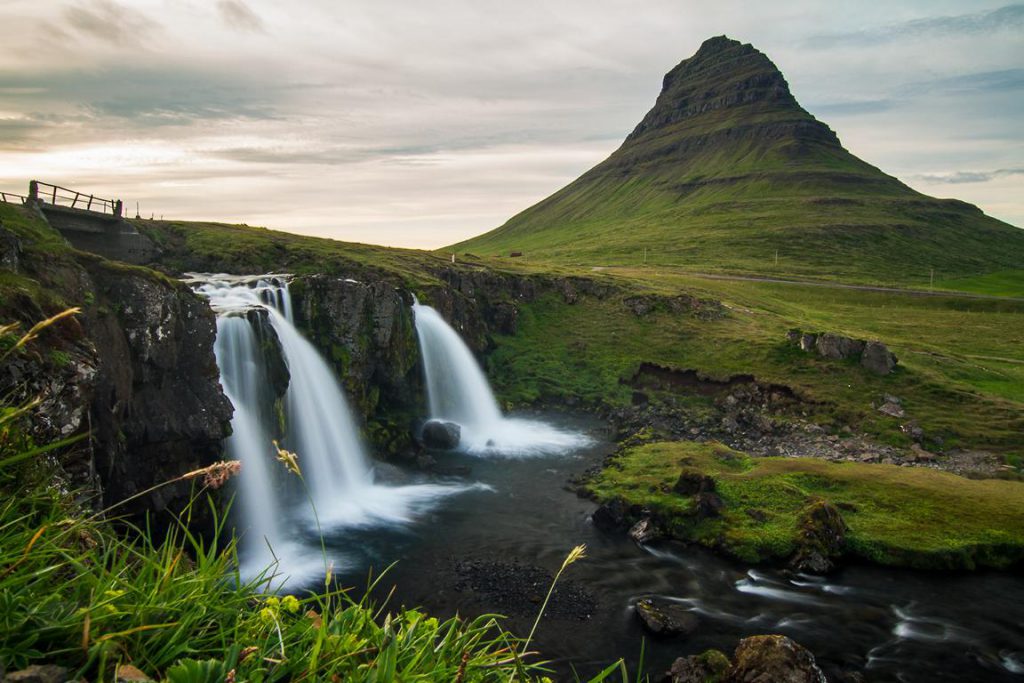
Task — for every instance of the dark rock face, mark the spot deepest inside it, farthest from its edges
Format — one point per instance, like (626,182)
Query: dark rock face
(611,515)
(773,659)
(664,618)
(440,434)
(822,538)
(10,249)
(366,331)
(158,409)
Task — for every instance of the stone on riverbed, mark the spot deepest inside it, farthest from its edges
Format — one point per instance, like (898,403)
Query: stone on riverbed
(778,659)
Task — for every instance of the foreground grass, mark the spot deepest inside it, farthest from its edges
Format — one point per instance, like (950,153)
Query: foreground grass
(903,516)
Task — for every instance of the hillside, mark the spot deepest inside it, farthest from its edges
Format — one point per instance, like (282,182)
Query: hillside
(727,172)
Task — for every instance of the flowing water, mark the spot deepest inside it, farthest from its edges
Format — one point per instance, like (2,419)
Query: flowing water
(892,625)
(515,514)
(458,391)
(340,489)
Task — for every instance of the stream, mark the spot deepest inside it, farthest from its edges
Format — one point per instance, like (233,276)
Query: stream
(891,625)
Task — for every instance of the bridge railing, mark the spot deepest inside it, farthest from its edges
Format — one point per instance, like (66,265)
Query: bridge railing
(11,198)
(73,199)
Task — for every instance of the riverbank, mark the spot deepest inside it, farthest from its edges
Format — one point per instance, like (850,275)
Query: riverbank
(812,513)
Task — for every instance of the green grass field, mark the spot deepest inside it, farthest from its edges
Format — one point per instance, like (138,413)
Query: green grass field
(904,516)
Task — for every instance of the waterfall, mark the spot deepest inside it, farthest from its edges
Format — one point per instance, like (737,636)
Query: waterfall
(458,391)
(244,380)
(337,474)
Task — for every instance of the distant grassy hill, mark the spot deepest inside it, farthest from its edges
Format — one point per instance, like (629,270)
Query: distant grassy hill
(727,170)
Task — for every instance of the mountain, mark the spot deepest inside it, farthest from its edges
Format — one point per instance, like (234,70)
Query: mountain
(727,169)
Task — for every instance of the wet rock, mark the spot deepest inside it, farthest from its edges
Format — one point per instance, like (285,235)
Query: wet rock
(644,531)
(610,515)
(707,667)
(808,342)
(693,482)
(877,358)
(773,659)
(36,673)
(663,618)
(440,434)
(822,538)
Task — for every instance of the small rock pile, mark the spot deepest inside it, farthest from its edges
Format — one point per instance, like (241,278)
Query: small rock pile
(873,355)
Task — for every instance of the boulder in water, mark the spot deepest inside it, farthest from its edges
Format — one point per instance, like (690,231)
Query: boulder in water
(665,618)
(707,667)
(773,658)
(441,434)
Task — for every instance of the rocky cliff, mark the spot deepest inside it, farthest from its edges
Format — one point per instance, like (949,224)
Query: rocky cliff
(135,369)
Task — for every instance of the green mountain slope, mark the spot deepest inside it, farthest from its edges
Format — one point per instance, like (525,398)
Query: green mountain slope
(727,169)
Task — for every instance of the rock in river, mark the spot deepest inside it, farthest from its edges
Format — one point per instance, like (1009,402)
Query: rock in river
(440,434)
(665,618)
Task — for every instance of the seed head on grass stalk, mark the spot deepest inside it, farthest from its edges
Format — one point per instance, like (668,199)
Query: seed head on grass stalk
(577,553)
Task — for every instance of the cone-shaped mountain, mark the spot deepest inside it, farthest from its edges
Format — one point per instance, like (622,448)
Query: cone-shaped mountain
(726,169)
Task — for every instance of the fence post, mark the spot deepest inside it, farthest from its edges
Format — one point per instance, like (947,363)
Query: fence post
(118,208)
(33,190)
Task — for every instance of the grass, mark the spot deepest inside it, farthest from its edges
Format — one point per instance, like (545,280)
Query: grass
(1000,283)
(756,187)
(953,352)
(898,516)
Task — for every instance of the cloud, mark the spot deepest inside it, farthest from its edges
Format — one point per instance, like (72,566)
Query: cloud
(146,97)
(110,22)
(960,177)
(239,16)
(1010,17)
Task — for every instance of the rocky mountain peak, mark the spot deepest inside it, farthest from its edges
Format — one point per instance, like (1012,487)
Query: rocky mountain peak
(724,74)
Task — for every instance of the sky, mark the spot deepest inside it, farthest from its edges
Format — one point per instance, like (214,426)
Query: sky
(419,124)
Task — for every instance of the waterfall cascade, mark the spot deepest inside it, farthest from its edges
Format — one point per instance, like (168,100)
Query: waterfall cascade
(458,391)
(336,469)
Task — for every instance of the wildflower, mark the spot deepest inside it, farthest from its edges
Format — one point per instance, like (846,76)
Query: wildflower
(273,602)
(267,616)
(288,459)
(290,604)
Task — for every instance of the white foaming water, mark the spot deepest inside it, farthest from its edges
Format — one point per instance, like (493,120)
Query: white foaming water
(320,430)
(458,392)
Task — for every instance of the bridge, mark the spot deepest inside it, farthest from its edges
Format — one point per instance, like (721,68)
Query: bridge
(88,222)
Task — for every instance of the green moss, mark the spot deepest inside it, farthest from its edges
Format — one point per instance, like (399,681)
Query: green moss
(896,515)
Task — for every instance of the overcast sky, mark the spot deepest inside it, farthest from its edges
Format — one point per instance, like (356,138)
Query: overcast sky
(422,123)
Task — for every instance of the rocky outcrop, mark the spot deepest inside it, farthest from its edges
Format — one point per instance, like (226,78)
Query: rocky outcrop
(681,304)
(821,538)
(135,370)
(707,667)
(874,356)
(366,331)
(757,659)
(157,407)
(760,659)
